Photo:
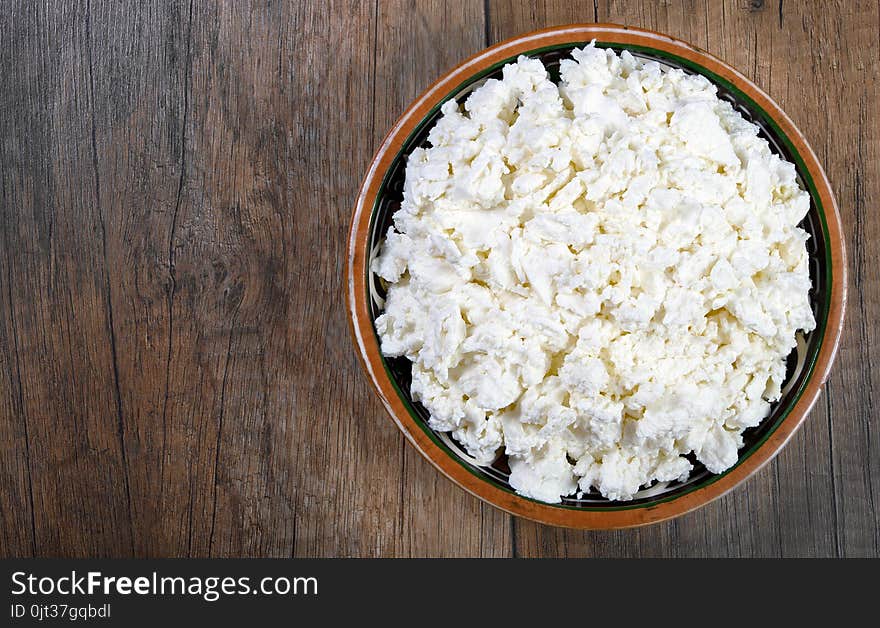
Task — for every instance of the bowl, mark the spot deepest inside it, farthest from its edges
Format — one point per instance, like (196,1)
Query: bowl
(808,365)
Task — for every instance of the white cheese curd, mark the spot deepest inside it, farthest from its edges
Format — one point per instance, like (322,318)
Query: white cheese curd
(598,277)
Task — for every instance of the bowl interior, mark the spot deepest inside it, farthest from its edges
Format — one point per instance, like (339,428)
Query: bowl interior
(800,363)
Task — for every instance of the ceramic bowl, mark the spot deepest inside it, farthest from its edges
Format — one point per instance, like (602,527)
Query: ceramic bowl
(808,366)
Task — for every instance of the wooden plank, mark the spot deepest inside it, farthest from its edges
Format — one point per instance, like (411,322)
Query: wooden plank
(416,43)
(140,70)
(16,499)
(17,524)
(840,61)
(743,522)
(17,535)
(266,397)
(345,455)
(773,44)
(59,294)
(232,375)
(789,507)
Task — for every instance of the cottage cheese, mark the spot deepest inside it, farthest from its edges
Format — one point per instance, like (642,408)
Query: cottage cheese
(596,277)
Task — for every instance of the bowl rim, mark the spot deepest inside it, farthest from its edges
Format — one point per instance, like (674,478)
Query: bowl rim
(360,320)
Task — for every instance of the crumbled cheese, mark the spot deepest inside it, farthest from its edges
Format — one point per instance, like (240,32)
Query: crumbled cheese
(597,277)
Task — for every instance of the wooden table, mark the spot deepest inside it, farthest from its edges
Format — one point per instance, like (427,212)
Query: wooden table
(176,375)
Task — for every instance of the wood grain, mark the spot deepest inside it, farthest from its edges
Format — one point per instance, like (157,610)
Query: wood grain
(176,377)
(416,43)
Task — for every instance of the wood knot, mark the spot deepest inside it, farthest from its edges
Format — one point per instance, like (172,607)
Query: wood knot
(756,5)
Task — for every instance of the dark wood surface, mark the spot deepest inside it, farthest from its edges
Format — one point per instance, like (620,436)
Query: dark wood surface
(176,375)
